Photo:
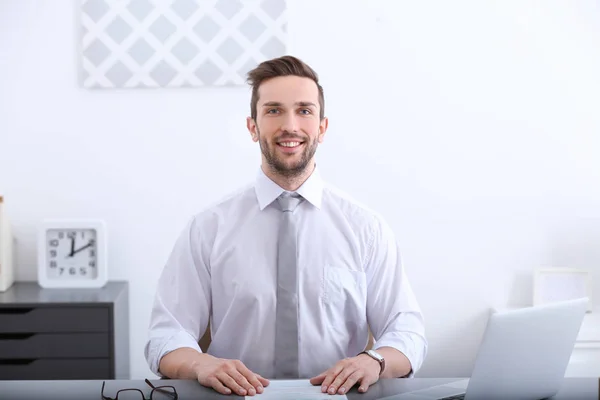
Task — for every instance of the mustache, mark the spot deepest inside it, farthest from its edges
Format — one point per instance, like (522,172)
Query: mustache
(290,137)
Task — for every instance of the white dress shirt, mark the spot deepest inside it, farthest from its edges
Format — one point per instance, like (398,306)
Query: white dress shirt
(223,268)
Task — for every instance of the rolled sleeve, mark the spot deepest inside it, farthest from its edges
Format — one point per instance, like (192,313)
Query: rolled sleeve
(180,313)
(411,344)
(160,346)
(393,312)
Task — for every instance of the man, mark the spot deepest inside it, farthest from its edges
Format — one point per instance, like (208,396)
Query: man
(290,273)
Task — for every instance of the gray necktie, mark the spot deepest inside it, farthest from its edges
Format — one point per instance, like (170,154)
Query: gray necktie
(286,322)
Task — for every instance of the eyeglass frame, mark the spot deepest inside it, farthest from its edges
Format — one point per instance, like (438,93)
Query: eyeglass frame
(174,395)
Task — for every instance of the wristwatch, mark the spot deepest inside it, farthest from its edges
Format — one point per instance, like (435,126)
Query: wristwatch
(376,356)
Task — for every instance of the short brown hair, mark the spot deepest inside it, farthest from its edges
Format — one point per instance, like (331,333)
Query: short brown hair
(282,66)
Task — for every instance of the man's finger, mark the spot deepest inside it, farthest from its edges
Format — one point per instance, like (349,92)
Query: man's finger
(216,384)
(365,382)
(243,382)
(248,376)
(341,378)
(252,380)
(256,384)
(263,381)
(350,381)
(331,376)
(229,382)
(318,379)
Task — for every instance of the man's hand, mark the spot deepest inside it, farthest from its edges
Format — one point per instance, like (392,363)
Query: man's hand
(347,372)
(227,376)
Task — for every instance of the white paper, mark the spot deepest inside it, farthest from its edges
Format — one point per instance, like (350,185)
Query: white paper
(300,389)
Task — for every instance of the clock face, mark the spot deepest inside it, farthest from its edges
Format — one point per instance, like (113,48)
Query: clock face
(71,254)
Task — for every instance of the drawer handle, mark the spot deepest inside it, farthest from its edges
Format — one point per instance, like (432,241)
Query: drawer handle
(15,310)
(24,361)
(16,336)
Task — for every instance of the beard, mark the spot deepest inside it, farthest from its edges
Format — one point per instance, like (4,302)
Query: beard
(279,162)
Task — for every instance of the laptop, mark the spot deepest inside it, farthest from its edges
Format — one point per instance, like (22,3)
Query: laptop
(524,354)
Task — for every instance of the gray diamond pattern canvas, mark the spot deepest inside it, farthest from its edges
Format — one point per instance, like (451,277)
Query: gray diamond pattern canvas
(177,43)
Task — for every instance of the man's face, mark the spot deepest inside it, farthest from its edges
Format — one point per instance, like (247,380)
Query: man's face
(287,126)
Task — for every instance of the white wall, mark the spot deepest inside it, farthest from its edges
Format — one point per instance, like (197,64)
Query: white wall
(472,126)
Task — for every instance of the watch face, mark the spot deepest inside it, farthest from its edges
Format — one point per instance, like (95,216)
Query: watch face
(375,355)
(71,254)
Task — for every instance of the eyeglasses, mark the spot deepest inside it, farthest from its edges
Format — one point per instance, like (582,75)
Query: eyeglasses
(157,393)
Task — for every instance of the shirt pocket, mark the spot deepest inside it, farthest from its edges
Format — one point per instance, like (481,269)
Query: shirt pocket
(343,285)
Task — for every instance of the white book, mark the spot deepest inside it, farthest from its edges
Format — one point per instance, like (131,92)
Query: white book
(7,269)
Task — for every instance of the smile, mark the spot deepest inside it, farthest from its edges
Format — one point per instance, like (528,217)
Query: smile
(289,144)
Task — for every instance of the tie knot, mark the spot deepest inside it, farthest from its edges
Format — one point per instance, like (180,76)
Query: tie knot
(289,201)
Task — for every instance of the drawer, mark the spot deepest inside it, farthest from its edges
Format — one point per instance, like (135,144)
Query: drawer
(54,319)
(55,369)
(54,345)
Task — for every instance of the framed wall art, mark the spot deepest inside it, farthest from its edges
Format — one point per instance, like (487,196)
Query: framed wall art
(177,43)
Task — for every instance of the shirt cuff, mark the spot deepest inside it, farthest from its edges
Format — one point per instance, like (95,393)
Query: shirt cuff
(413,346)
(160,347)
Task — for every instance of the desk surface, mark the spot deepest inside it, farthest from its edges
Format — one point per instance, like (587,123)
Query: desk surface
(573,389)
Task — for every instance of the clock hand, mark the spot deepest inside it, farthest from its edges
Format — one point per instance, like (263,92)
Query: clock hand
(72,253)
(82,248)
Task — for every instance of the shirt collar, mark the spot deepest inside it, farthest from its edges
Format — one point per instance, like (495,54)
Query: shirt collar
(267,190)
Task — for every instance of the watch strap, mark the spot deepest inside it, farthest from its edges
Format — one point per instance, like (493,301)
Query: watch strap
(381,362)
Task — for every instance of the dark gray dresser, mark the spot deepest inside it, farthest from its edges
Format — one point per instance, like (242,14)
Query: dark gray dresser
(48,334)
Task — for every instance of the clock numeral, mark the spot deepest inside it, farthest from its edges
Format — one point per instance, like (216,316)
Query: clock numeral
(61,235)
(92,242)
(52,253)
(61,269)
(54,243)
(52,264)
(92,263)
(92,253)
(72,271)
(71,235)
(83,234)
(83,271)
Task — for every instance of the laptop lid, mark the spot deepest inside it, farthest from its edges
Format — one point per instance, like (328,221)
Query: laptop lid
(524,353)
